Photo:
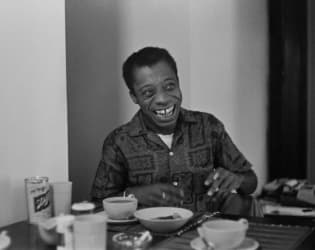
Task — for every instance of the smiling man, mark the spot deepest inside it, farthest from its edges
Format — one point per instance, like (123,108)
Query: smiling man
(156,90)
(167,155)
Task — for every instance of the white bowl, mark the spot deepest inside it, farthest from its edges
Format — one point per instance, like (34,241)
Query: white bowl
(150,218)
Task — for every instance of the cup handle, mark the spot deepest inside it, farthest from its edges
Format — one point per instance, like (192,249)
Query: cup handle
(200,231)
(244,222)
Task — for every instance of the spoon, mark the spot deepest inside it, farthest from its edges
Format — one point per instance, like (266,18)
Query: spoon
(208,245)
(143,237)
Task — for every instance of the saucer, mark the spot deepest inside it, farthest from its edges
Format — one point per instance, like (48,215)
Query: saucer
(247,244)
(124,221)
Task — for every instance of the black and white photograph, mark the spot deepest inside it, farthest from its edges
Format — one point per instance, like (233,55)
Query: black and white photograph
(157,125)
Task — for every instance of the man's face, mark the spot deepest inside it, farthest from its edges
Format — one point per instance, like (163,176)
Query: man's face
(157,92)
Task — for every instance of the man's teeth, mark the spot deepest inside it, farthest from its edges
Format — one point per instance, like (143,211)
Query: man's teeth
(165,112)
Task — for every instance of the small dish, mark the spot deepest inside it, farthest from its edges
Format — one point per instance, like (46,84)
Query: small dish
(132,240)
(112,221)
(5,240)
(247,244)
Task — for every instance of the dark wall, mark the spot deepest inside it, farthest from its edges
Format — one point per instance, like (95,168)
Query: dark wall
(311,90)
(91,39)
(287,121)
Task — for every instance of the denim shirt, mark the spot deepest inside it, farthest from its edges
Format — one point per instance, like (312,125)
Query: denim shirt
(133,155)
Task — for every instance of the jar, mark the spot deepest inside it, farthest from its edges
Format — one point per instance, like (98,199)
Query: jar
(38,199)
(83,208)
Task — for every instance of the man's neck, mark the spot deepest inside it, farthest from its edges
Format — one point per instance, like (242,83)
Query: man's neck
(158,130)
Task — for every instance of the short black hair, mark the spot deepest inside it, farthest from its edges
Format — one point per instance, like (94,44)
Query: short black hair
(147,56)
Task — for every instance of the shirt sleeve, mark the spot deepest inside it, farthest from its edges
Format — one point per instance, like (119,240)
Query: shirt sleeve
(111,175)
(227,155)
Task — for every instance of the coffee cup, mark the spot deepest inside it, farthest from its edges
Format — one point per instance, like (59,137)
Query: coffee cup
(224,233)
(120,207)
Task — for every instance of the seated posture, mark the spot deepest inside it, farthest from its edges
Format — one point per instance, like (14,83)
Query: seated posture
(167,155)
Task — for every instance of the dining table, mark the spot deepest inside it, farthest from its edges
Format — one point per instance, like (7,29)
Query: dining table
(271,232)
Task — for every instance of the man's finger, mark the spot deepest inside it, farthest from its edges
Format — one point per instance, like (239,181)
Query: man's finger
(172,194)
(213,188)
(211,177)
(227,182)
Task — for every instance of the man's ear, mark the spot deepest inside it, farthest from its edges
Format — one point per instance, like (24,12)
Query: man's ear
(133,97)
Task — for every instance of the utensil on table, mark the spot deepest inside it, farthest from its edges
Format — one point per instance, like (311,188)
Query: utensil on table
(194,223)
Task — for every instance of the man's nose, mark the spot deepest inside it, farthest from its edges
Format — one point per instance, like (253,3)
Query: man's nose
(161,97)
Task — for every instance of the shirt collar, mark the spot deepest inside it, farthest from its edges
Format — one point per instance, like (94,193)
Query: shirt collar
(137,126)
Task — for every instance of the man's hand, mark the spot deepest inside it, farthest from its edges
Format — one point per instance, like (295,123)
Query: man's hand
(160,194)
(221,182)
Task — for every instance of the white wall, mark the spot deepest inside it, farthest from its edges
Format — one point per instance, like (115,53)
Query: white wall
(159,23)
(33,129)
(229,66)
(221,50)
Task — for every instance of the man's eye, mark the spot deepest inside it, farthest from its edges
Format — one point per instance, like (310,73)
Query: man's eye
(170,86)
(147,93)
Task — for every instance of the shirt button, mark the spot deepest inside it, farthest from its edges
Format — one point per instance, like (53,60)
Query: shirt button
(171,153)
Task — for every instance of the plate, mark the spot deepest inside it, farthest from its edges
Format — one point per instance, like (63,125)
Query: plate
(112,221)
(247,244)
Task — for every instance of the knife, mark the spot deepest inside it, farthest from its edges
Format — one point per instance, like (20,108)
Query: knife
(196,223)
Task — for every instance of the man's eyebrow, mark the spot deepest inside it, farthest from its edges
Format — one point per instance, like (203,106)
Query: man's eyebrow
(147,85)
(170,79)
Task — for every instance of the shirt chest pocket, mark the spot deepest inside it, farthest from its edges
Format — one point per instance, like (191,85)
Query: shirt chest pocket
(200,158)
(141,169)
